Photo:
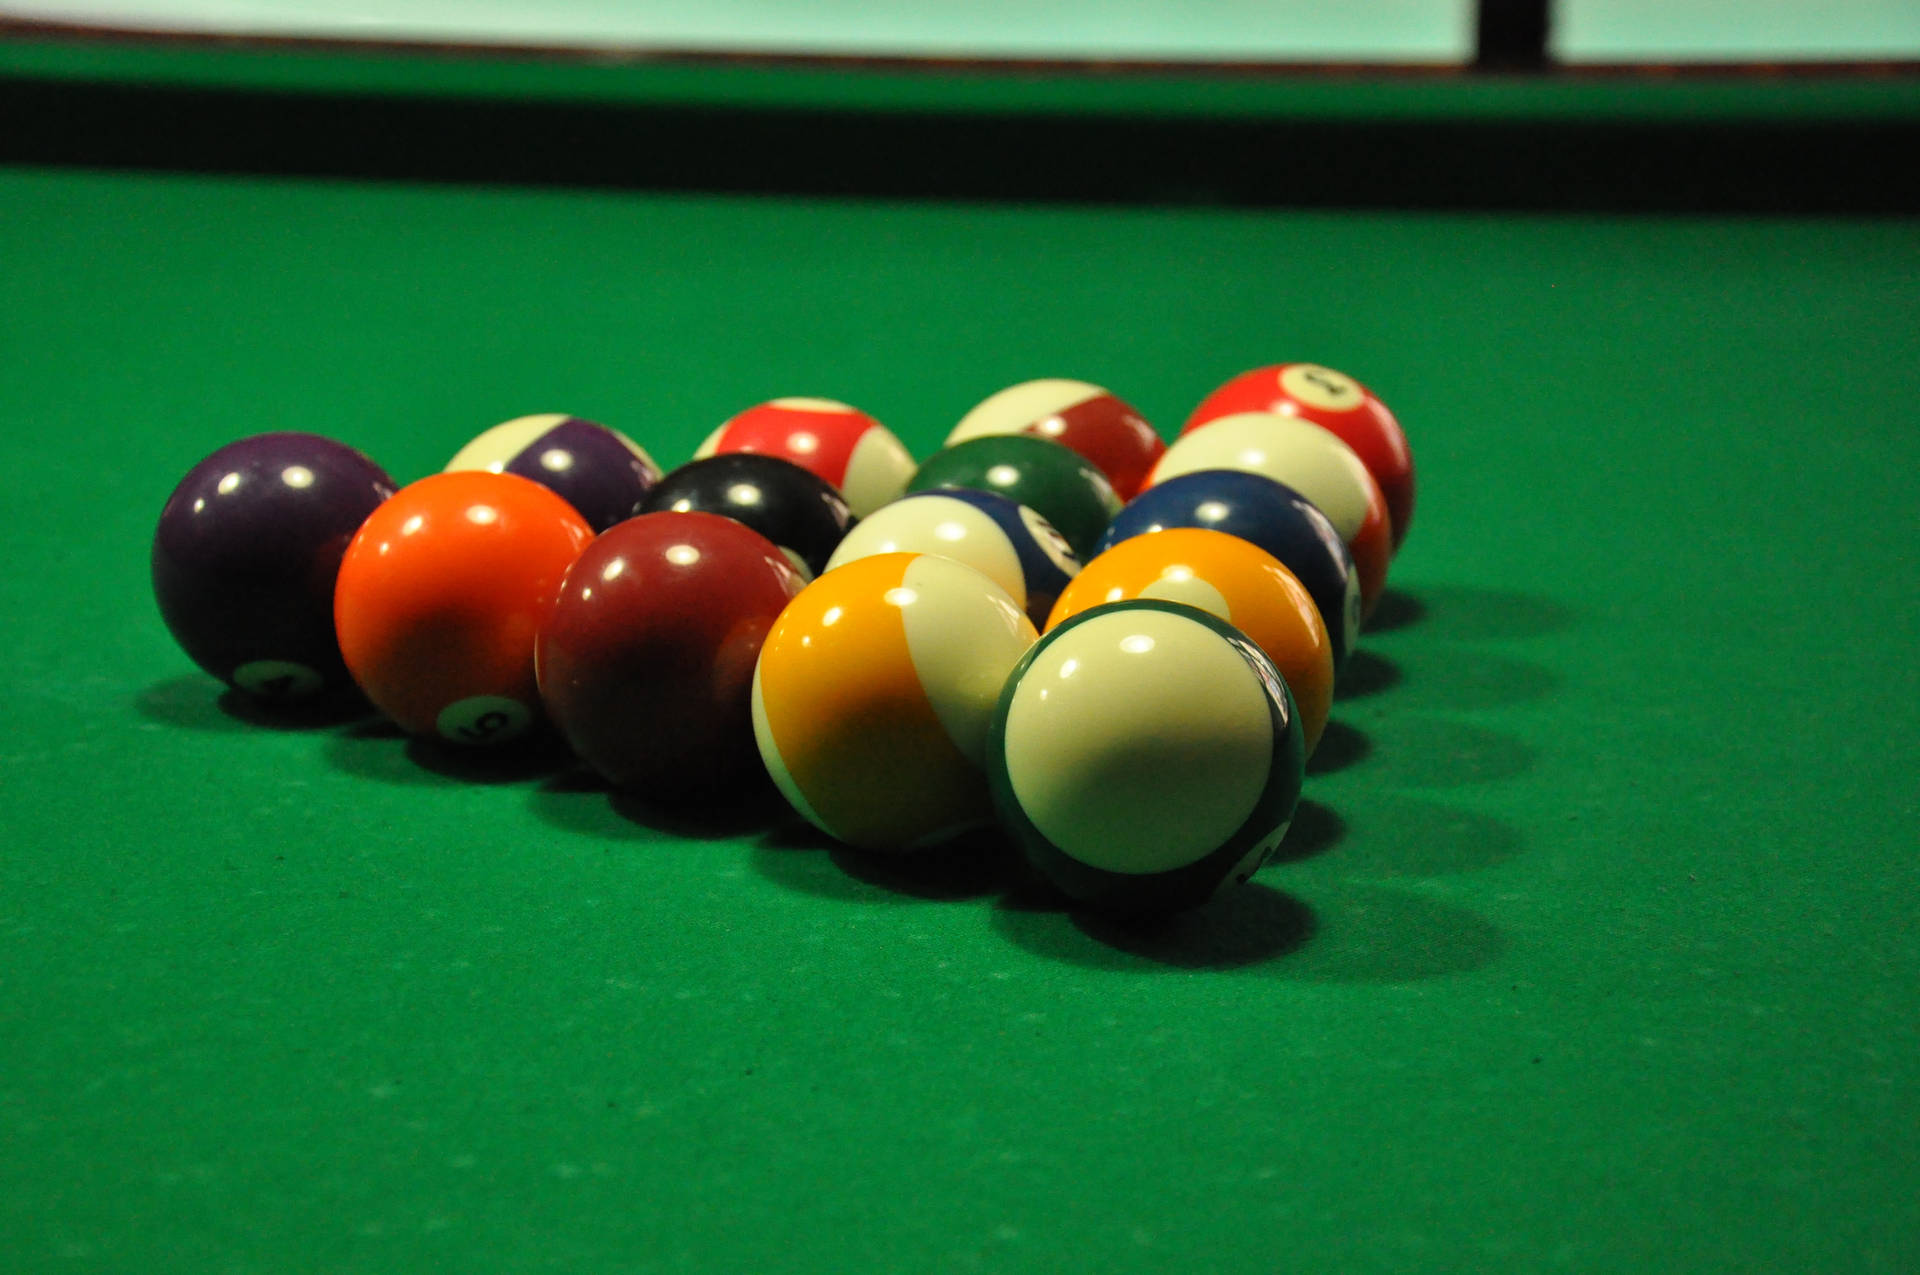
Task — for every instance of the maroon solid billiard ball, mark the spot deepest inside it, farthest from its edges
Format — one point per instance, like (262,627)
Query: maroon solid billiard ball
(245,557)
(646,662)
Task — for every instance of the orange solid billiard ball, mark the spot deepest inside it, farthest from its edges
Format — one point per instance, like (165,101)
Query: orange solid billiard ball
(1227,577)
(441,595)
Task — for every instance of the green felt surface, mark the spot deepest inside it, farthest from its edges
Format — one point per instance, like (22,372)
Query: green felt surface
(1594,950)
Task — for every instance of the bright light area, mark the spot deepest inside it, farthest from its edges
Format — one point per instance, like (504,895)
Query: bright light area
(1160,30)
(1718,31)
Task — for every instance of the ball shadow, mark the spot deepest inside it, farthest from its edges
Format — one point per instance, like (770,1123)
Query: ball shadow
(324,712)
(195,701)
(578,799)
(1366,673)
(1389,836)
(1316,829)
(1467,614)
(1366,934)
(1241,927)
(1454,678)
(1340,746)
(377,750)
(969,867)
(1417,751)
(798,856)
(1396,610)
(540,754)
(752,806)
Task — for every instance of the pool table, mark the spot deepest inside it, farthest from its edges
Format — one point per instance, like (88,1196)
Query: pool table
(1592,946)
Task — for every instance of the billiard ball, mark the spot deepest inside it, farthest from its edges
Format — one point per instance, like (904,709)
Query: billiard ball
(1334,401)
(873,696)
(861,457)
(798,510)
(601,472)
(245,556)
(1058,484)
(1227,577)
(1087,419)
(1007,542)
(1269,514)
(1311,461)
(441,595)
(1143,755)
(645,664)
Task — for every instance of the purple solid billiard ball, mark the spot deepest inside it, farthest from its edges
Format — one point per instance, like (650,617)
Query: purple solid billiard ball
(245,556)
(601,472)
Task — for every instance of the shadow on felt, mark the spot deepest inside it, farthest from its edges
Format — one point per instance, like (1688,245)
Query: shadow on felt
(378,749)
(1469,614)
(1242,926)
(579,800)
(1341,745)
(800,857)
(195,701)
(1366,673)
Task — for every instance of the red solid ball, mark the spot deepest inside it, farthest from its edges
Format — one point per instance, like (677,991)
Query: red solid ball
(1337,403)
(646,663)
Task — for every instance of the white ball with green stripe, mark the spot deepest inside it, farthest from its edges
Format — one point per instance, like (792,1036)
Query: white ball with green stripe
(1144,754)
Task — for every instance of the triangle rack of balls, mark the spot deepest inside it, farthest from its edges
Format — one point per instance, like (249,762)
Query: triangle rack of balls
(1119,651)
